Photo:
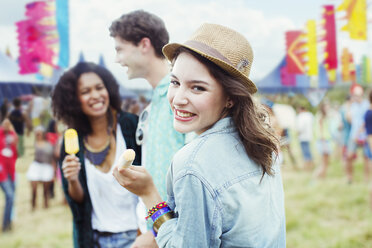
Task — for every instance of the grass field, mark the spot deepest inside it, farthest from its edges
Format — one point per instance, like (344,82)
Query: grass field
(319,213)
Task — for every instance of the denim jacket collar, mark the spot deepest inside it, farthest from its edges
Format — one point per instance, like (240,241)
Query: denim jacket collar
(224,125)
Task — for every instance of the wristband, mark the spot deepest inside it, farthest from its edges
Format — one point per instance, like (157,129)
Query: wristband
(156,208)
(160,212)
(160,221)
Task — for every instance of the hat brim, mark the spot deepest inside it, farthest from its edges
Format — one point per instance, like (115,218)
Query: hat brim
(170,49)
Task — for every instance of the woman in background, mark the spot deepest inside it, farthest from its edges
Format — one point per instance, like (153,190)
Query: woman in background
(87,99)
(8,158)
(42,168)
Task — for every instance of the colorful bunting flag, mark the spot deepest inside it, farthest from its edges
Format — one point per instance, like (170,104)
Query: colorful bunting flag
(347,66)
(329,26)
(62,18)
(356,16)
(311,45)
(41,45)
(294,58)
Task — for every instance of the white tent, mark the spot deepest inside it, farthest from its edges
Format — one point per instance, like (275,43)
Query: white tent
(9,72)
(12,84)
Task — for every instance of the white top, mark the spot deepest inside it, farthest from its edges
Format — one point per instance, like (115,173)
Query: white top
(305,122)
(114,207)
(38,106)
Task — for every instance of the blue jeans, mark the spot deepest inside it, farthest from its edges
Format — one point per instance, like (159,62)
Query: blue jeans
(8,188)
(114,240)
(306,152)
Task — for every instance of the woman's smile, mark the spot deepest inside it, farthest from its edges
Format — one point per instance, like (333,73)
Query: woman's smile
(182,115)
(197,99)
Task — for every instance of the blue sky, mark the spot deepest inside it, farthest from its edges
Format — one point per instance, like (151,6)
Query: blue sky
(262,22)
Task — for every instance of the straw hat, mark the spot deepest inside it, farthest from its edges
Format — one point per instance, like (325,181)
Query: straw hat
(223,46)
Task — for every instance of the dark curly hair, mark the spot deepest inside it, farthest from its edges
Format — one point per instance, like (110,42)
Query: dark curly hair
(65,102)
(139,24)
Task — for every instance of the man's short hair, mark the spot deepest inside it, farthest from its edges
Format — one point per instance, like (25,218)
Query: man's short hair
(136,25)
(16,102)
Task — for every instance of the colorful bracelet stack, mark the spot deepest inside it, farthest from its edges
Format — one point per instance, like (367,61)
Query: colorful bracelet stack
(159,214)
(161,220)
(156,208)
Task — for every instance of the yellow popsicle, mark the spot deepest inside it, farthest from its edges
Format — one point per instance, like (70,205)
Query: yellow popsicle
(127,158)
(71,141)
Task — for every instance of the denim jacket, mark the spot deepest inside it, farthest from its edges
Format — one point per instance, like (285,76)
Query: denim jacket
(215,191)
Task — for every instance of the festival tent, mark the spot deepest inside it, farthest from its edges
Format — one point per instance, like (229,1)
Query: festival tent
(271,83)
(12,84)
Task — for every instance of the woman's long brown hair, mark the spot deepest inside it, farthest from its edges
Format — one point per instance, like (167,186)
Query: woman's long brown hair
(257,136)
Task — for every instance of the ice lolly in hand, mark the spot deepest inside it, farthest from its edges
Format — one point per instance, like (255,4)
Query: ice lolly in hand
(127,158)
(71,141)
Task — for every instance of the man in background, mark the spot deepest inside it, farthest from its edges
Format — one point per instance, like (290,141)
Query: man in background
(139,38)
(18,120)
(357,138)
(368,127)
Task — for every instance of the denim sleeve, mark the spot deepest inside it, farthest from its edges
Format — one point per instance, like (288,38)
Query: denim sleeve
(198,222)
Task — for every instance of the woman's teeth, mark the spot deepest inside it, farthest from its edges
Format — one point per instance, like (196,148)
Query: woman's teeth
(97,105)
(184,114)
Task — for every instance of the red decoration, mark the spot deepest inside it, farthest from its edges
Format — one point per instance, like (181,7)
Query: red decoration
(35,39)
(330,37)
(294,42)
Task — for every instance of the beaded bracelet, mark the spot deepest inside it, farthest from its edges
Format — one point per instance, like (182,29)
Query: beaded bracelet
(160,212)
(156,208)
(160,221)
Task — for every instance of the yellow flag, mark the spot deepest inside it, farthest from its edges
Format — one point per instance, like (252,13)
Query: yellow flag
(344,5)
(332,76)
(356,15)
(311,45)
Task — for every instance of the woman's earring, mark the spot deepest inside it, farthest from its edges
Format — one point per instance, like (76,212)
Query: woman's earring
(229,104)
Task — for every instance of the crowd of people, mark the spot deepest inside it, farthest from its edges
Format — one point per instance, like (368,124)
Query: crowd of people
(202,120)
(337,130)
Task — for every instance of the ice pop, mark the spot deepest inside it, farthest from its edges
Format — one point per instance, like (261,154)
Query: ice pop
(127,158)
(71,141)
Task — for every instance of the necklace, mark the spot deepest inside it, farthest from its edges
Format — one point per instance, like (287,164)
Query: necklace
(97,156)
(101,157)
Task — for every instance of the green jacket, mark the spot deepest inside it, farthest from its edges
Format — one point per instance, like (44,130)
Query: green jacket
(82,224)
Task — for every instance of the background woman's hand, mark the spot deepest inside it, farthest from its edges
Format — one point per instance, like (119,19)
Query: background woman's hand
(71,167)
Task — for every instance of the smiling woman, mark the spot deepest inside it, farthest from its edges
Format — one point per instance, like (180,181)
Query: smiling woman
(93,95)
(224,187)
(87,99)
(197,99)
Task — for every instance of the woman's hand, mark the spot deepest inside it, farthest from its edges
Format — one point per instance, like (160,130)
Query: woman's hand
(146,240)
(71,167)
(137,180)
